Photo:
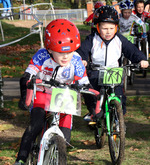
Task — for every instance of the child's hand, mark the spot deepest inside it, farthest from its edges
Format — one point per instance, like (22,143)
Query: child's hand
(84,63)
(144,64)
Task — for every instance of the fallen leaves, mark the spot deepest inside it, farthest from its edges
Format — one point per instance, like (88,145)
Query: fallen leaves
(18,49)
(15,146)
(7,163)
(134,149)
(4,158)
(76,151)
(87,142)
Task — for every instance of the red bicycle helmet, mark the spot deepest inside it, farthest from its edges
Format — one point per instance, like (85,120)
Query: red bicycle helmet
(61,35)
(98,4)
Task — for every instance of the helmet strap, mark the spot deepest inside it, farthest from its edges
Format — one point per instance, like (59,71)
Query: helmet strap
(97,26)
(116,29)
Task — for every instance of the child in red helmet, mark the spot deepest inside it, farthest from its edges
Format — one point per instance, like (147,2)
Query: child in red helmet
(96,6)
(105,47)
(58,57)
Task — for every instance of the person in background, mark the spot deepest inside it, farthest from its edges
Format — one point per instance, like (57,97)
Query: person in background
(147,6)
(143,15)
(127,18)
(90,18)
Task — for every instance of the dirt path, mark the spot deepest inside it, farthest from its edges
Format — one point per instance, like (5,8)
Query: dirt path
(22,23)
(28,23)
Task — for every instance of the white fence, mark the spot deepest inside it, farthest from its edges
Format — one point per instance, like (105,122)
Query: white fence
(74,15)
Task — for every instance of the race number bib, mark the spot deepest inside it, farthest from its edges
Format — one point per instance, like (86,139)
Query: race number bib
(130,38)
(110,76)
(64,101)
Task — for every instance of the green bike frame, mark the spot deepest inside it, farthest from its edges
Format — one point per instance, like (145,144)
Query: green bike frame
(110,98)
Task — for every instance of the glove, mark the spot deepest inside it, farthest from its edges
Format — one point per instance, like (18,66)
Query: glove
(84,22)
(23,106)
(30,84)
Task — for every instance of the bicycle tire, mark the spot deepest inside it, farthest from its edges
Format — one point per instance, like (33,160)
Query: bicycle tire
(100,134)
(125,84)
(117,137)
(56,153)
(131,79)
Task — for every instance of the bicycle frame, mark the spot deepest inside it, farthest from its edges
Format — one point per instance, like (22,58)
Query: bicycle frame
(54,126)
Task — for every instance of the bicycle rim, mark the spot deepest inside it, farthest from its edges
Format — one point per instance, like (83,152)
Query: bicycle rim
(31,160)
(56,154)
(33,155)
(117,136)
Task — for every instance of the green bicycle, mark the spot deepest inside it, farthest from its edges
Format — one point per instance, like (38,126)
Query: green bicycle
(112,122)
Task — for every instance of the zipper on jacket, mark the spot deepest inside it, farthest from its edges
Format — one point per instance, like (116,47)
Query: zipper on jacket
(106,55)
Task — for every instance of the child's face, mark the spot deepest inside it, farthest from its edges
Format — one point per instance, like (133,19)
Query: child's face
(62,59)
(107,30)
(126,13)
(140,8)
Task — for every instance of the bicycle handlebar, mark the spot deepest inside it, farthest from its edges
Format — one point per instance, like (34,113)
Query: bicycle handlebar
(84,88)
(99,66)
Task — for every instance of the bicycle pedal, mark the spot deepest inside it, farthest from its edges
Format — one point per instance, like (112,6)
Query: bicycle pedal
(92,123)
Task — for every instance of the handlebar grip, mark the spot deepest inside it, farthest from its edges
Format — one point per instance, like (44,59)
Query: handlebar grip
(38,81)
(94,91)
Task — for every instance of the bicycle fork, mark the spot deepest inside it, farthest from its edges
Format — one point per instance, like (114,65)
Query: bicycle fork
(45,141)
(111,98)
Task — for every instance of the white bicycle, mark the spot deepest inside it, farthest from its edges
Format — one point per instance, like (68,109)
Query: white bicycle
(50,147)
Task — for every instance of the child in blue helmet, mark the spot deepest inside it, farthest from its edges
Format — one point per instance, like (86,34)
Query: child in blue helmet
(128,19)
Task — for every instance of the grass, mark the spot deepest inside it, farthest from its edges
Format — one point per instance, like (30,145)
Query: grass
(137,145)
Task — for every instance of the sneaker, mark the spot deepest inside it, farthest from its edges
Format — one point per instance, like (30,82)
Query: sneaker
(20,162)
(87,117)
(3,14)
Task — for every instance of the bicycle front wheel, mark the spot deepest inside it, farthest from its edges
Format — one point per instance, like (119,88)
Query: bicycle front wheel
(56,153)
(117,133)
(100,133)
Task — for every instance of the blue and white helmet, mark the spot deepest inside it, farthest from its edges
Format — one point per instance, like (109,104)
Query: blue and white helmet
(126,4)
